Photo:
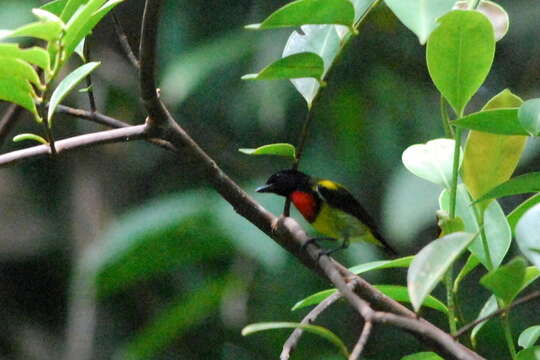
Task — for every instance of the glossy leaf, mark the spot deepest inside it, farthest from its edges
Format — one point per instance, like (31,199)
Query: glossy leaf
(529,336)
(314,329)
(68,83)
(528,236)
(459,55)
(153,239)
(56,7)
(532,353)
(489,308)
(500,121)
(34,55)
(322,40)
(491,159)
(18,69)
(522,184)
(506,281)
(70,7)
(494,12)
(529,116)
(279,149)
(496,227)
(174,321)
(382,264)
(361,7)
(432,161)
(314,299)
(430,264)
(301,65)
(32,137)
(518,212)
(18,92)
(420,16)
(47,31)
(309,12)
(470,265)
(422,356)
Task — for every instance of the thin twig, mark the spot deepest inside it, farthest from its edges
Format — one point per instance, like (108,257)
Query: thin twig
(124,42)
(520,301)
(9,119)
(362,341)
(292,341)
(103,137)
(89,90)
(92,116)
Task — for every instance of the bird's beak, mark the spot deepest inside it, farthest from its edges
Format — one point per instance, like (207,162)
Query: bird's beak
(266,188)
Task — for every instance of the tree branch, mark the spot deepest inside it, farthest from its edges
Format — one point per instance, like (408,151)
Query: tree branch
(96,117)
(103,137)
(124,42)
(292,341)
(364,336)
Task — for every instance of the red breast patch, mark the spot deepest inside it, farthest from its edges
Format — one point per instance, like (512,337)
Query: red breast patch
(305,203)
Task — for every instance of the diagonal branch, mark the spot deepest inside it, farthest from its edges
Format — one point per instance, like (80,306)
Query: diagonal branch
(124,42)
(362,341)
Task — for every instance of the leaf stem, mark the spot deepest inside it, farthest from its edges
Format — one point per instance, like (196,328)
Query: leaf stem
(455,171)
(479,215)
(448,131)
(448,279)
(508,334)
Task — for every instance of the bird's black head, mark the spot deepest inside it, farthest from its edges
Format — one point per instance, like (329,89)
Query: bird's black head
(284,182)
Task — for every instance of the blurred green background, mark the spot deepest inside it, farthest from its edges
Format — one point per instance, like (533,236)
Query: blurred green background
(178,272)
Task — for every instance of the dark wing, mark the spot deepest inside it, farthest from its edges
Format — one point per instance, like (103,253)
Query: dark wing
(339,197)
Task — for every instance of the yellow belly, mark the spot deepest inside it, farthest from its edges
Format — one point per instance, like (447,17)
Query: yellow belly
(340,225)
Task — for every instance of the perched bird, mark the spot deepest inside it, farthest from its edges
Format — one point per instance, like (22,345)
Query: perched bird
(327,206)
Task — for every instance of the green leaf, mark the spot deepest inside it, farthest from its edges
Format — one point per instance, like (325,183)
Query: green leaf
(532,353)
(506,281)
(29,136)
(422,356)
(491,159)
(79,50)
(470,265)
(360,8)
(522,184)
(420,16)
(19,92)
(301,65)
(529,336)
(528,236)
(322,40)
(314,12)
(529,116)
(496,227)
(459,55)
(19,69)
(55,6)
(382,264)
(400,293)
(500,121)
(518,212)
(449,225)
(153,239)
(47,31)
(278,149)
(68,83)
(175,320)
(430,264)
(70,7)
(34,55)
(314,329)
(432,161)
(314,299)
(489,308)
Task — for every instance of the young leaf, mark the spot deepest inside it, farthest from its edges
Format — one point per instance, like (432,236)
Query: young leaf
(496,227)
(470,265)
(430,264)
(19,92)
(174,321)
(489,308)
(47,31)
(529,336)
(314,299)
(459,55)
(491,159)
(55,6)
(522,184)
(15,68)
(301,65)
(431,161)
(68,83)
(70,7)
(322,40)
(518,212)
(28,136)
(506,281)
(529,116)
(314,329)
(532,353)
(420,16)
(382,264)
(499,121)
(422,356)
(528,236)
(279,149)
(34,55)
(313,12)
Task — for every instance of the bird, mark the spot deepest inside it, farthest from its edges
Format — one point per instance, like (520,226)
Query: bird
(328,206)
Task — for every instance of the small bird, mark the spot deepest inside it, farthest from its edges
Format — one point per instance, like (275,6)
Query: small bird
(328,206)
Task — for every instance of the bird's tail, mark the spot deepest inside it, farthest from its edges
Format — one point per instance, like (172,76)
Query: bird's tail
(384,244)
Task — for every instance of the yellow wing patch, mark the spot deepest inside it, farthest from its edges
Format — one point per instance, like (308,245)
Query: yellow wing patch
(329,184)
